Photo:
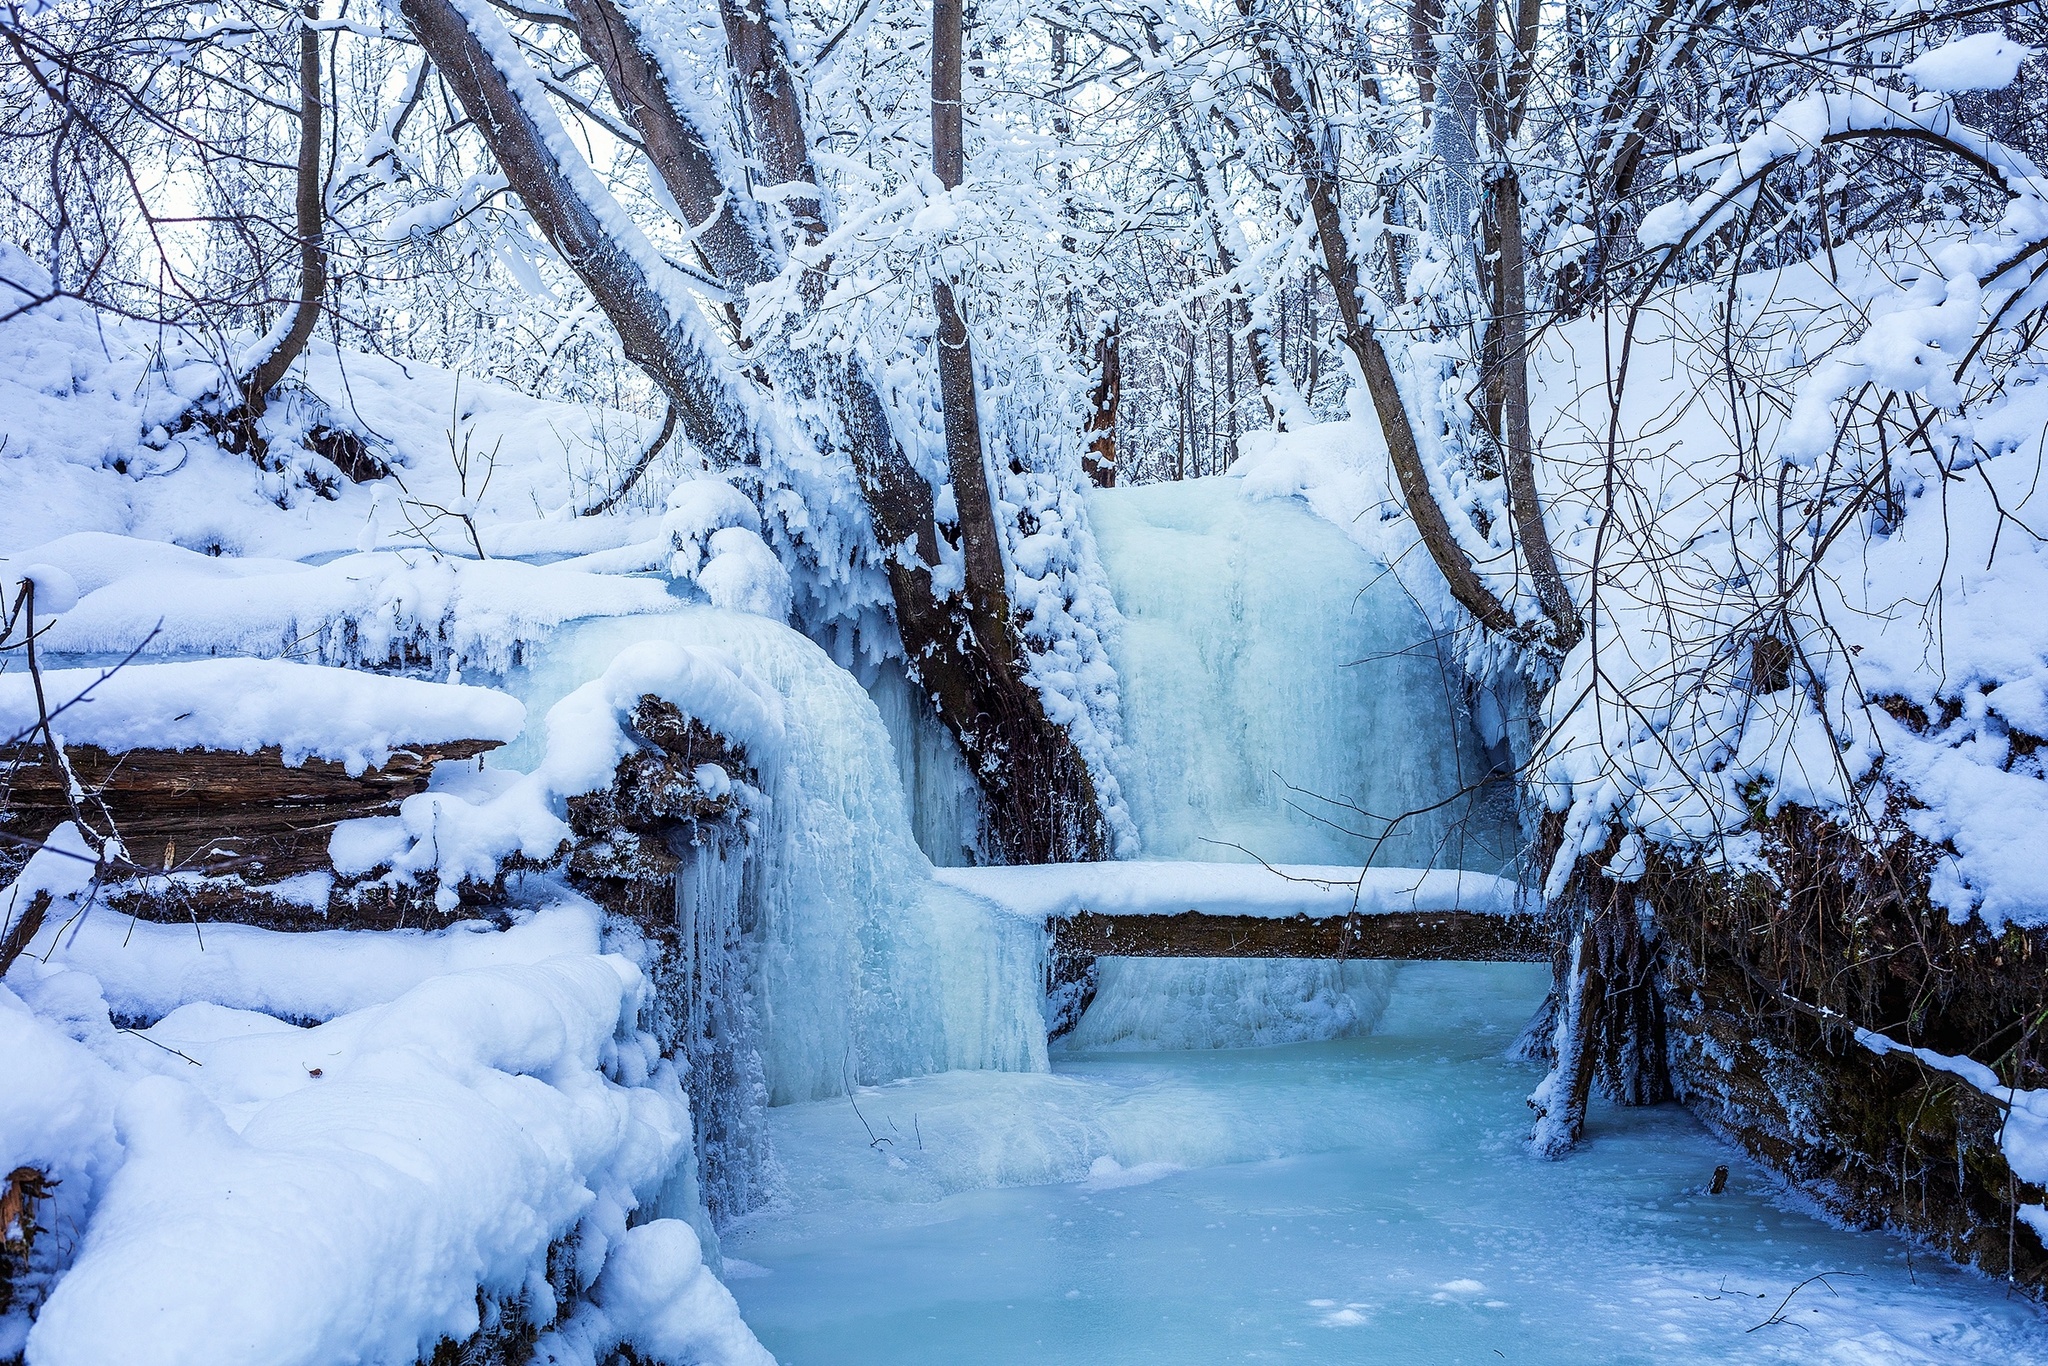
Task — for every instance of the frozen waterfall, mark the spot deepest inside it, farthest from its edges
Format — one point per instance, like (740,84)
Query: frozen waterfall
(1282,695)
(865,969)
(1284,701)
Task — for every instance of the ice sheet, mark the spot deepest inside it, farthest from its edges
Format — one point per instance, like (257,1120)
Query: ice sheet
(1367,1200)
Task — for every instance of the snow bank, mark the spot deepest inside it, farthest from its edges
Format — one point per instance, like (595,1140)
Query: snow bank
(1316,890)
(343,716)
(234,1188)
(145,971)
(380,608)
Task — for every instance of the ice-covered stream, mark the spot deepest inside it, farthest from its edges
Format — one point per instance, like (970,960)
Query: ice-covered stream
(1154,1188)
(1364,1199)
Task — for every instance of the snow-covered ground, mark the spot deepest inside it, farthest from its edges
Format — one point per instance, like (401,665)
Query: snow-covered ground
(230,1187)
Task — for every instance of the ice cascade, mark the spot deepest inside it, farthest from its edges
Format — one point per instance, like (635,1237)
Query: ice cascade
(864,969)
(1282,698)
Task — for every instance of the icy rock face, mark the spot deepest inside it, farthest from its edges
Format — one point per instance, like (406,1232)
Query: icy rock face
(1278,686)
(866,969)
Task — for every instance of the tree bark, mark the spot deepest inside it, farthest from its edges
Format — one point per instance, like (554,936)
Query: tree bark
(1099,461)
(1040,798)
(1501,96)
(958,402)
(267,372)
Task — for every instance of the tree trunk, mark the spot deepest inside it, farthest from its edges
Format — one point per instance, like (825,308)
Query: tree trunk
(1099,461)
(269,369)
(1506,349)
(958,402)
(1040,797)
(1319,184)
(585,226)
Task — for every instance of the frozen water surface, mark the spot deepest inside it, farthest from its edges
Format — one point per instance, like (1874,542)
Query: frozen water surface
(1361,1200)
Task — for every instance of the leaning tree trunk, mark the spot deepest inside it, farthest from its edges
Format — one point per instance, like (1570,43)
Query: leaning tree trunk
(1023,771)
(1320,186)
(1506,350)
(1040,796)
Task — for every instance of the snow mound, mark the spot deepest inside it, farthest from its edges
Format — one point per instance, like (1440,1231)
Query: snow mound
(145,971)
(343,716)
(378,608)
(1982,61)
(239,1189)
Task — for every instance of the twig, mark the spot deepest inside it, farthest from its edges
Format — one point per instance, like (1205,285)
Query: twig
(1778,1314)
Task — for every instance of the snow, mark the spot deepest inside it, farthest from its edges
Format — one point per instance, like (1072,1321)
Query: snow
(466,832)
(248,1190)
(145,971)
(340,715)
(382,608)
(1982,61)
(1137,887)
(55,591)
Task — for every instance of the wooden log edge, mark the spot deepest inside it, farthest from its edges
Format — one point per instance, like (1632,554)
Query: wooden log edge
(1416,936)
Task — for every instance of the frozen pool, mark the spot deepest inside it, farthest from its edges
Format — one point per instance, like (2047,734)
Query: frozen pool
(1364,1200)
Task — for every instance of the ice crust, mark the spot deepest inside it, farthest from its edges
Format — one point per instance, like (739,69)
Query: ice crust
(1361,1200)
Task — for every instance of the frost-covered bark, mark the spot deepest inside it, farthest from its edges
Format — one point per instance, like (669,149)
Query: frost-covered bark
(659,326)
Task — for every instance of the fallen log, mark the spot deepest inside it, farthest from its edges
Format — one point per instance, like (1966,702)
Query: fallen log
(1466,936)
(227,778)
(194,810)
